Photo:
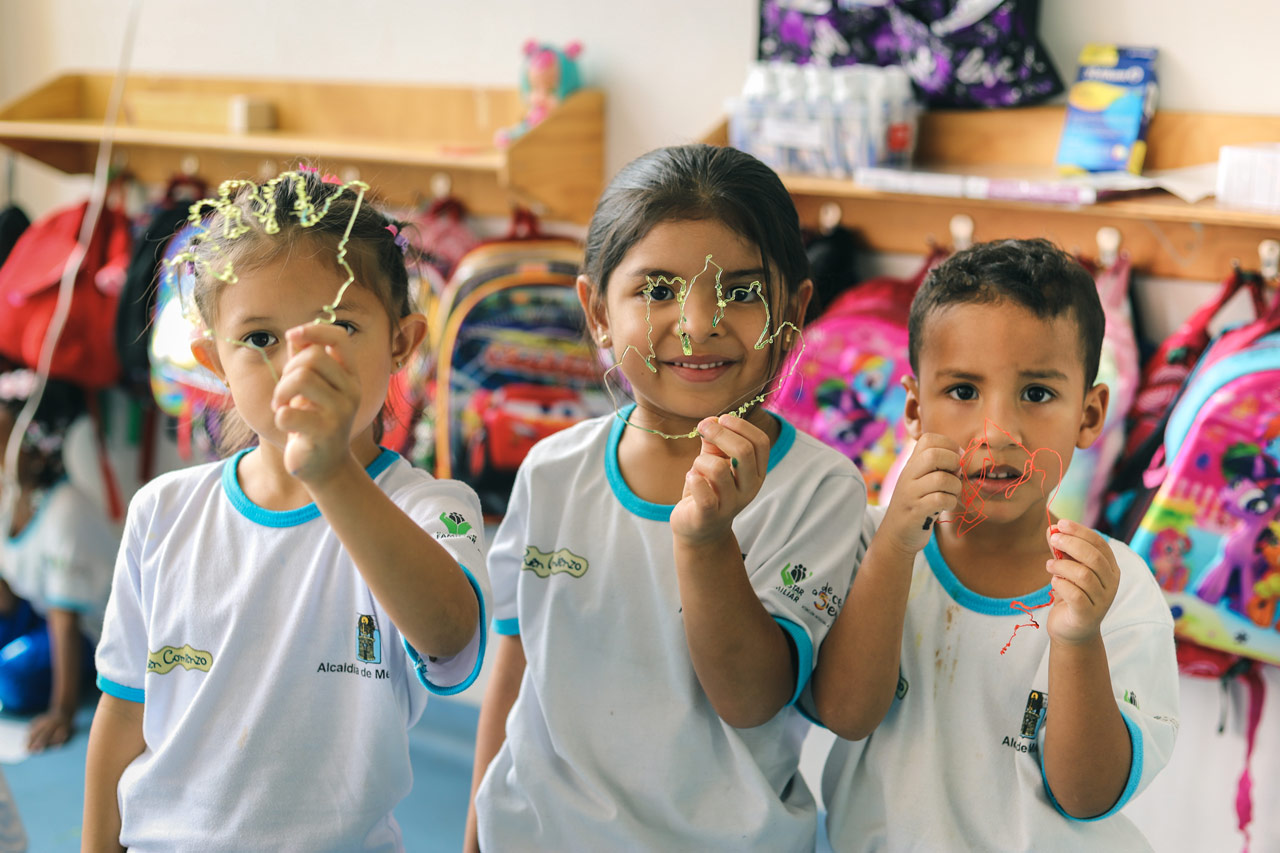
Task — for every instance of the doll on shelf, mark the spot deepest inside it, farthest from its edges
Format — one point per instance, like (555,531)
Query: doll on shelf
(549,76)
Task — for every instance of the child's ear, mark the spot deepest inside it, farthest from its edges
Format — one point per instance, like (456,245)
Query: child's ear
(594,310)
(800,302)
(1094,415)
(206,355)
(407,337)
(911,408)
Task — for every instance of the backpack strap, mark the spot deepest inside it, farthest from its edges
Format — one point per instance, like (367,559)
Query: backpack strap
(1244,788)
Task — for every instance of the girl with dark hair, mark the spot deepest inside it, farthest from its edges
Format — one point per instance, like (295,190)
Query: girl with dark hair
(664,576)
(55,567)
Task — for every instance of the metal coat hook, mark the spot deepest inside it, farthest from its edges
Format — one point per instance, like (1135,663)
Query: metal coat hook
(961,231)
(1108,246)
(1269,259)
(829,216)
(441,185)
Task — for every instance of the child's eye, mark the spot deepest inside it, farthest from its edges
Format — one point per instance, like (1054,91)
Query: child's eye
(743,293)
(1038,394)
(963,392)
(660,293)
(346,324)
(259,340)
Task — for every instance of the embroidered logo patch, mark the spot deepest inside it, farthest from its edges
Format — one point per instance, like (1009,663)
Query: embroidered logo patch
(544,564)
(166,658)
(455,524)
(368,640)
(1032,714)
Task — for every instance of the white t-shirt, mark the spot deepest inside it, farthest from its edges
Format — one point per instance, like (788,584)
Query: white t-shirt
(277,692)
(62,559)
(956,763)
(612,743)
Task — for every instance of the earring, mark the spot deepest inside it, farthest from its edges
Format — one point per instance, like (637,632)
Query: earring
(604,339)
(786,338)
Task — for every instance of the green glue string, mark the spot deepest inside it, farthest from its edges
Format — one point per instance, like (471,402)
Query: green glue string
(683,288)
(263,208)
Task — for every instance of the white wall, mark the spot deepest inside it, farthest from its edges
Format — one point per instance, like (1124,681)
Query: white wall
(666,65)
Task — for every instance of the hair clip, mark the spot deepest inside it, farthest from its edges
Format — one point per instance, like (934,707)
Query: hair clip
(326,178)
(401,240)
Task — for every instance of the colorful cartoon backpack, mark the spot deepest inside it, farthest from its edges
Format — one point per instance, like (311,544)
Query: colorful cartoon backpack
(512,363)
(1163,377)
(1212,531)
(844,386)
(1080,497)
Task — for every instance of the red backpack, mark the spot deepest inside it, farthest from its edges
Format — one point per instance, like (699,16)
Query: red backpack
(86,351)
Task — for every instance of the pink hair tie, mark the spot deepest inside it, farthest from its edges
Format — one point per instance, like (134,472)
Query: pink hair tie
(401,240)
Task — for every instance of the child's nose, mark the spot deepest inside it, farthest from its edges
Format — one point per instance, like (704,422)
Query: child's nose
(1000,428)
(700,313)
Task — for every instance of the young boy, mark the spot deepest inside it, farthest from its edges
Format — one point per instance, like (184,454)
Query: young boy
(975,746)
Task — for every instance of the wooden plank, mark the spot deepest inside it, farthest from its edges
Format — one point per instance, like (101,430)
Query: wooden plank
(559,166)
(61,97)
(1030,136)
(1159,247)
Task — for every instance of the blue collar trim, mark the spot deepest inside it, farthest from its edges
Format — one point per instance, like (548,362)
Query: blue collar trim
(288,517)
(662,512)
(966,597)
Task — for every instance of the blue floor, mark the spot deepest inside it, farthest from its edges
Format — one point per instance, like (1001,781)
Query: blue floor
(49,788)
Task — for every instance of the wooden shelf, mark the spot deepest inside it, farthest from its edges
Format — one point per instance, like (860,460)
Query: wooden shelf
(1162,234)
(397,138)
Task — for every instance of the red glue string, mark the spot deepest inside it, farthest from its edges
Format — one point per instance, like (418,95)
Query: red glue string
(973,502)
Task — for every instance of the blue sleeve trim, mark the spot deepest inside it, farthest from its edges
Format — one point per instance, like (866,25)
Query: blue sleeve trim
(420,665)
(507,627)
(804,654)
(119,691)
(1130,787)
(68,604)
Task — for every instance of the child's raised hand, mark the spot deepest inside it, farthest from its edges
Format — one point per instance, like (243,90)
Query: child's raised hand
(724,478)
(315,401)
(928,485)
(1085,580)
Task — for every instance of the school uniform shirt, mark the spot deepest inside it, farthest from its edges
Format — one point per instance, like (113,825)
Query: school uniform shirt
(277,692)
(956,762)
(612,743)
(62,558)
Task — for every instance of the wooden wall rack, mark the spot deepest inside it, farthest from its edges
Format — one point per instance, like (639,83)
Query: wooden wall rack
(397,138)
(1162,234)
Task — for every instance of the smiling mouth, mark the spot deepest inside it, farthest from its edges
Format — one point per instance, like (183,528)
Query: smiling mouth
(701,365)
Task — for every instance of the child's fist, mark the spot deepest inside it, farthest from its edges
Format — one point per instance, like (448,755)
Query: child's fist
(1085,579)
(724,478)
(928,486)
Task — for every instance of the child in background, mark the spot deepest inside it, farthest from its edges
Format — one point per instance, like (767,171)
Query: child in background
(660,602)
(270,612)
(55,562)
(961,745)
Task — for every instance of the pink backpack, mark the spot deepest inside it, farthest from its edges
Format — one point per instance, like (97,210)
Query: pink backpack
(1080,496)
(844,387)
(1212,531)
